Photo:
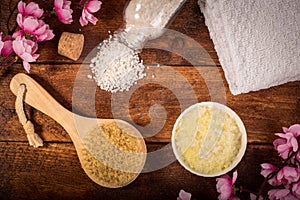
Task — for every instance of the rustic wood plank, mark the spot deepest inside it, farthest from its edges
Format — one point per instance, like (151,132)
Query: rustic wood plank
(54,172)
(188,21)
(263,112)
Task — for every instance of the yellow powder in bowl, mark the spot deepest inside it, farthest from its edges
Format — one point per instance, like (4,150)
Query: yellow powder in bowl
(209,139)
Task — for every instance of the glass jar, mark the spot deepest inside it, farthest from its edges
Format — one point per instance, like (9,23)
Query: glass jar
(146,19)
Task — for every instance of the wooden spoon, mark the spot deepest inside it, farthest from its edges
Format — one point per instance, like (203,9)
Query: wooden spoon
(96,146)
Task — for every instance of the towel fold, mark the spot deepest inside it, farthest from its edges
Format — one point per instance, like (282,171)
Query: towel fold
(257,41)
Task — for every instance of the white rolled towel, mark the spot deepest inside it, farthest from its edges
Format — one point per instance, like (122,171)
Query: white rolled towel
(257,41)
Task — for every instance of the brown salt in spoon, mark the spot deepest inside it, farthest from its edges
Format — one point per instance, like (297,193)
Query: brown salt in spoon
(78,126)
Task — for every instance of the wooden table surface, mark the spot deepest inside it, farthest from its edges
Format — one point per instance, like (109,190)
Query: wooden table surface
(54,172)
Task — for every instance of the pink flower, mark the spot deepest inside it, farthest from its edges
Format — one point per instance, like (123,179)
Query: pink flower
(34,27)
(32,9)
(25,49)
(296,189)
(63,11)
(90,6)
(225,187)
(183,195)
(287,143)
(288,175)
(266,169)
(282,194)
(5,45)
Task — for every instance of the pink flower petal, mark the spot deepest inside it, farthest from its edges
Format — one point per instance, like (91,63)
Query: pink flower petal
(1,46)
(7,48)
(296,189)
(48,35)
(83,21)
(65,16)
(267,169)
(27,57)
(42,37)
(93,6)
(289,197)
(35,56)
(67,4)
(295,129)
(224,187)
(282,135)
(58,3)
(20,20)
(18,33)
(41,29)
(283,148)
(26,66)
(28,48)
(30,24)
(294,144)
(253,197)
(285,130)
(21,7)
(183,195)
(93,20)
(18,46)
(278,193)
(234,177)
(32,9)
(279,141)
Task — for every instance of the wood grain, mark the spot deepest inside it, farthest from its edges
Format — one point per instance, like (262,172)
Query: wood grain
(54,171)
(188,21)
(262,111)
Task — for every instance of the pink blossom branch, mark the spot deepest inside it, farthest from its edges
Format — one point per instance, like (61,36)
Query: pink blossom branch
(271,175)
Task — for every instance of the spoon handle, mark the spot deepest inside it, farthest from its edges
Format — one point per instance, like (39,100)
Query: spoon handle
(37,97)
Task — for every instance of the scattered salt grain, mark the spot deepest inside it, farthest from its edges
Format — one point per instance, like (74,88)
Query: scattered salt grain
(116,67)
(89,76)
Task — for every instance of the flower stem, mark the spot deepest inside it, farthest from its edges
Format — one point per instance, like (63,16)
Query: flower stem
(8,61)
(10,32)
(241,189)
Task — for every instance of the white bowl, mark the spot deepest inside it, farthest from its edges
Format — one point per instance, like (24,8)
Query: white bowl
(232,115)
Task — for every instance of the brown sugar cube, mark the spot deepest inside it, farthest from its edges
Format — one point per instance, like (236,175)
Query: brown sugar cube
(71,45)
